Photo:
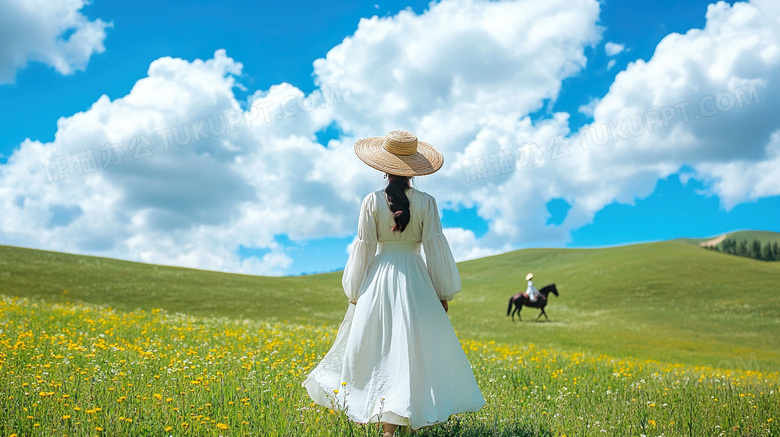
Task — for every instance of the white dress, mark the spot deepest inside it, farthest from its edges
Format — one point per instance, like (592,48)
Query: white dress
(533,293)
(396,358)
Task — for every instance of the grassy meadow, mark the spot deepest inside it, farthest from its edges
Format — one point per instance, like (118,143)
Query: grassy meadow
(81,370)
(651,339)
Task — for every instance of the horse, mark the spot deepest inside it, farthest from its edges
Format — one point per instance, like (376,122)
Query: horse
(521,299)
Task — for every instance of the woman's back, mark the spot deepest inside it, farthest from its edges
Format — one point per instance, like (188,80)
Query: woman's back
(385,222)
(423,233)
(417,230)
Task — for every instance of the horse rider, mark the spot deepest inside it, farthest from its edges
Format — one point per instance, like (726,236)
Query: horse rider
(532,292)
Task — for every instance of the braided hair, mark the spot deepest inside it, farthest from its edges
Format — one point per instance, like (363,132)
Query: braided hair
(399,203)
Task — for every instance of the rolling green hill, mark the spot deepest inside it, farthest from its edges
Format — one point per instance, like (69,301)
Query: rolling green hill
(762,236)
(125,285)
(670,301)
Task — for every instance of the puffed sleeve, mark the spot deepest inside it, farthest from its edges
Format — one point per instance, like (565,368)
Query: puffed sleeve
(363,251)
(438,255)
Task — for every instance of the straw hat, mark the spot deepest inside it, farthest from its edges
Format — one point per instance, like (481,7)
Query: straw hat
(399,153)
(529,276)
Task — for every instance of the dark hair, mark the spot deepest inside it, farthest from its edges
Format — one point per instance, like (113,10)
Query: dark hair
(399,203)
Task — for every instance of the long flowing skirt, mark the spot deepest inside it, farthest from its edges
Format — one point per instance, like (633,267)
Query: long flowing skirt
(396,358)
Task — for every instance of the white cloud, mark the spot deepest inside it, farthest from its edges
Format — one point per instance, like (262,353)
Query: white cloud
(459,63)
(587,109)
(466,246)
(613,49)
(50,31)
(611,64)
(715,95)
(741,180)
(196,198)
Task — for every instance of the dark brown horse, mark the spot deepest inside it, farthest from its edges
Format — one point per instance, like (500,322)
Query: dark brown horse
(521,299)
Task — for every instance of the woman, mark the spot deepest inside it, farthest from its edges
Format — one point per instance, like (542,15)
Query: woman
(396,359)
(532,292)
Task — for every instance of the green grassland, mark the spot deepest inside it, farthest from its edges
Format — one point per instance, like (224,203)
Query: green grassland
(58,277)
(670,302)
(87,370)
(652,339)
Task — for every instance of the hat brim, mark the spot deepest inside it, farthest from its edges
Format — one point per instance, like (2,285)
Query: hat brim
(427,160)
(529,276)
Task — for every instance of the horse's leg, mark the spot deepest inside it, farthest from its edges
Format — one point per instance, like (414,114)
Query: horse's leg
(514,310)
(519,307)
(545,314)
(540,314)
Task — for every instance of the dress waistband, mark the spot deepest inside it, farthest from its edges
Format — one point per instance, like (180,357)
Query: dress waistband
(399,246)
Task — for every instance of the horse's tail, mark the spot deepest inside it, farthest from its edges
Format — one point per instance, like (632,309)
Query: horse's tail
(509,309)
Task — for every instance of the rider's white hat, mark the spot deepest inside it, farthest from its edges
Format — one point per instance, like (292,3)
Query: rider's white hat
(529,276)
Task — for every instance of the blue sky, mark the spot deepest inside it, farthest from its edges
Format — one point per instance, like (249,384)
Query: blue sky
(677,183)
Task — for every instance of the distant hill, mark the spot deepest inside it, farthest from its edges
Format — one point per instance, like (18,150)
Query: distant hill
(762,236)
(670,301)
(761,245)
(127,285)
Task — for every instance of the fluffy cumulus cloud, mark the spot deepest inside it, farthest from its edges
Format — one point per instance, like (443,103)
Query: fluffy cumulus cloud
(180,172)
(175,172)
(50,31)
(707,99)
(457,64)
